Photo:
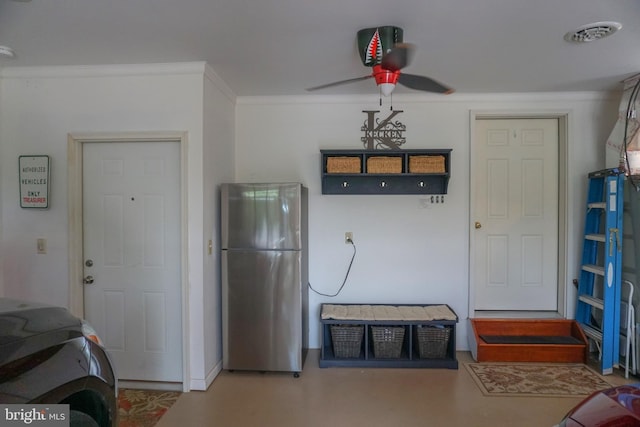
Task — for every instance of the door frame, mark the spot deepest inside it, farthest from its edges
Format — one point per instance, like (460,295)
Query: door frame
(75,143)
(564,118)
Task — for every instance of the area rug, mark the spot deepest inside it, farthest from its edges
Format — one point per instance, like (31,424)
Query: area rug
(535,379)
(143,408)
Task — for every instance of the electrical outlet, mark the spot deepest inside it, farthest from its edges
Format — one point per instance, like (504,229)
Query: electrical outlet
(348,237)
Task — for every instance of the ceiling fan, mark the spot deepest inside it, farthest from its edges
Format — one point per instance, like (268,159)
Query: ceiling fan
(382,49)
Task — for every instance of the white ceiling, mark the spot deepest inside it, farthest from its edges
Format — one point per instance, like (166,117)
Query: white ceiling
(281,47)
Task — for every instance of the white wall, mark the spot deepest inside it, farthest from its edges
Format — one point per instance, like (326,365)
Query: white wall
(219,136)
(40,106)
(405,253)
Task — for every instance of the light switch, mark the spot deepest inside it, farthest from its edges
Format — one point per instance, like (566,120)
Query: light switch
(42,246)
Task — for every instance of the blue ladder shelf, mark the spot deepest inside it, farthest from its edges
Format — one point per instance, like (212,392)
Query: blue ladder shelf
(599,287)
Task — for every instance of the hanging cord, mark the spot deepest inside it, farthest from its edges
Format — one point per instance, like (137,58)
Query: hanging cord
(345,276)
(632,102)
(632,98)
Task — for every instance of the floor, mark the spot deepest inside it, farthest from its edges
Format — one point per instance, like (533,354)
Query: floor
(356,397)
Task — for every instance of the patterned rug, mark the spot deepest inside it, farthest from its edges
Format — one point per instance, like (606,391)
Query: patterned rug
(536,379)
(143,408)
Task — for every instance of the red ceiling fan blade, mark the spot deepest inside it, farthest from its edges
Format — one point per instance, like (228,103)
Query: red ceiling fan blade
(398,57)
(341,82)
(423,83)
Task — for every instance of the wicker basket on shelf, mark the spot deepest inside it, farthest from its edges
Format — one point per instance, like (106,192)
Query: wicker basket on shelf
(343,164)
(346,340)
(426,164)
(433,341)
(387,341)
(384,164)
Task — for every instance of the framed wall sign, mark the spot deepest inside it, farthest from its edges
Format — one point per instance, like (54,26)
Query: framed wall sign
(34,181)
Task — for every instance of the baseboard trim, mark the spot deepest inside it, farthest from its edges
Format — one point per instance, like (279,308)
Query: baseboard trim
(150,385)
(203,384)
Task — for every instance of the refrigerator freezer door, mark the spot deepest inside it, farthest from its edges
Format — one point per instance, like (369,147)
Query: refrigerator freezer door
(261,216)
(262,310)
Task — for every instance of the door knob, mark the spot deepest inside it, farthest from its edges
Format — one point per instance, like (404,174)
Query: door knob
(87,280)
(478,225)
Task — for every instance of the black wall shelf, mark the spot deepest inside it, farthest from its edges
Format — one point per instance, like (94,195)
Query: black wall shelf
(403,181)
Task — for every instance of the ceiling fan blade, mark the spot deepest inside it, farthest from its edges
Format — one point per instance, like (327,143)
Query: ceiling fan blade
(423,83)
(398,57)
(341,82)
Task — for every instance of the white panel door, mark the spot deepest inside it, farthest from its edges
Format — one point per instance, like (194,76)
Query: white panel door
(515,214)
(131,231)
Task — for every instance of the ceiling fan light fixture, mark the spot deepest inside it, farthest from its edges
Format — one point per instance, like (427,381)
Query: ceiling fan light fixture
(386,88)
(7,51)
(591,32)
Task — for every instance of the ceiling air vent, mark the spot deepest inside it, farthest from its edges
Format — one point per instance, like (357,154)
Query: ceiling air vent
(591,32)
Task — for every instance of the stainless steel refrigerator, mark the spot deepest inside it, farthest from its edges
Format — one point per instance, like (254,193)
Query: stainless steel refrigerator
(265,296)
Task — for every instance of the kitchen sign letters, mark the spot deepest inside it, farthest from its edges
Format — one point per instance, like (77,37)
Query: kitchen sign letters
(34,181)
(384,134)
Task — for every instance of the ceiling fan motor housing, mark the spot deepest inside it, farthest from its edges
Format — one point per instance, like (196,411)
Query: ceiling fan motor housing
(385,76)
(374,42)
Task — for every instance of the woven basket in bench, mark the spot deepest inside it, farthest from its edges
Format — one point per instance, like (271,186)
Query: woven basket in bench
(347,340)
(432,341)
(387,341)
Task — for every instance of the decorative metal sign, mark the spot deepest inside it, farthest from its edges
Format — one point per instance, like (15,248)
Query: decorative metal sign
(383,135)
(34,181)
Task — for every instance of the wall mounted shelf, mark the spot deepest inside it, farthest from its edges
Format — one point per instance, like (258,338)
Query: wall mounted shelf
(385,171)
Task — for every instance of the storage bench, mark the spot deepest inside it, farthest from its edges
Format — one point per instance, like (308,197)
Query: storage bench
(379,335)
